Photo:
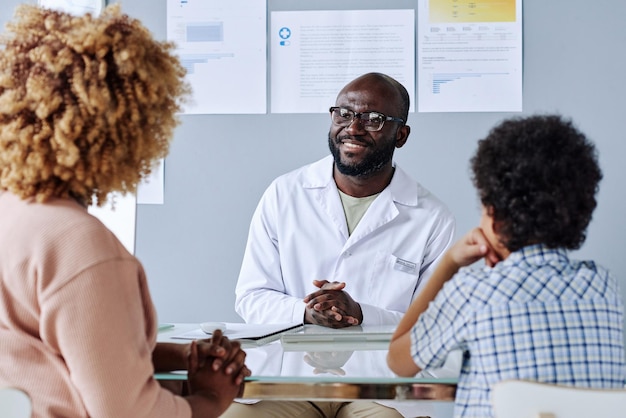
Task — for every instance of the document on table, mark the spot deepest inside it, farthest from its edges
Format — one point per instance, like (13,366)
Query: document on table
(356,334)
(248,332)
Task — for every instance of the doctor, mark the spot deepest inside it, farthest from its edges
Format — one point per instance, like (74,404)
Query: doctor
(348,240)
(351,238)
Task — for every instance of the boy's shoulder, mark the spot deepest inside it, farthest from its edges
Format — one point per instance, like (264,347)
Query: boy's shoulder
(536,273)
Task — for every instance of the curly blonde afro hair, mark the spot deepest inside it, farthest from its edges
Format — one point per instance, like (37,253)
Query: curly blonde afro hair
(87,104)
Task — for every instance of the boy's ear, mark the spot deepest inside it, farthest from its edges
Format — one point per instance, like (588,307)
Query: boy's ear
(496,227)
(490,222)
(492,229)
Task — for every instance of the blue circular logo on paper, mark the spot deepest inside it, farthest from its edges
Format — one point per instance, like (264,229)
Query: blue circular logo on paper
(284,33)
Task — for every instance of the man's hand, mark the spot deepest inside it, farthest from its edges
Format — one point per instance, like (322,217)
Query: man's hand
(331,306)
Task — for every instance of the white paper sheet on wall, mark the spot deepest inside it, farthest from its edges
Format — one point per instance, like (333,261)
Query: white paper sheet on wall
(470,56)
(222,44)
(316,52)
(151,190)
(121,219)
(76,7)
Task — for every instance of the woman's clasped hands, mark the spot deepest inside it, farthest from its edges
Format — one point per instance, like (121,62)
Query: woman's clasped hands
(216,369)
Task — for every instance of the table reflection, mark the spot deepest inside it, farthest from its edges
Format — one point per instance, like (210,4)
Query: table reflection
(336,361)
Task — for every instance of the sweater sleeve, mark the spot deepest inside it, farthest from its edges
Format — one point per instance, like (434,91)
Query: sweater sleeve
(98,323)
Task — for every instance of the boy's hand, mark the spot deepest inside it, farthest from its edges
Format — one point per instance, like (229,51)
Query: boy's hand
(472,247)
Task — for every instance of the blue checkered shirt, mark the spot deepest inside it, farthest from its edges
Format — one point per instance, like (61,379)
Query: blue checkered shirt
(536,315)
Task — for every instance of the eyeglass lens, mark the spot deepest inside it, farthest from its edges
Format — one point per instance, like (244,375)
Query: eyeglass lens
(371,121)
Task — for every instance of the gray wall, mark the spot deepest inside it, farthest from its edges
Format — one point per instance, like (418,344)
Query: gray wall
(219,165)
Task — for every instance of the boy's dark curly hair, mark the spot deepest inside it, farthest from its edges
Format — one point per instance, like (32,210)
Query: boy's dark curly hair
(538,177)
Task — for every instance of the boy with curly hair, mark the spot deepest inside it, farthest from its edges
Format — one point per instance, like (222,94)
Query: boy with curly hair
(532,312)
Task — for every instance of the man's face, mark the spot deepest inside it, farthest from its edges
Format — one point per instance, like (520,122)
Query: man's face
(358,152)
(360,157)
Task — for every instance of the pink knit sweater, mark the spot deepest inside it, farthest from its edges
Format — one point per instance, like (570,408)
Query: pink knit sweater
(77,325)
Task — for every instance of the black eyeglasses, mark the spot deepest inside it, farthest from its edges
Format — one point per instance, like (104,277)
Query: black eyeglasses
(371,121)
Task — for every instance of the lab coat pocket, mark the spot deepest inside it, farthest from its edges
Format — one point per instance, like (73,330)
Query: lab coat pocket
(393,281)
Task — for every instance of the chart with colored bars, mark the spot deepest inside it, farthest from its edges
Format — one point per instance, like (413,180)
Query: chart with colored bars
(467,11)
(440,79)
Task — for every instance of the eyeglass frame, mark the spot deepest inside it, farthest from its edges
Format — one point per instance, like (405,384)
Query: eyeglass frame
(359,114)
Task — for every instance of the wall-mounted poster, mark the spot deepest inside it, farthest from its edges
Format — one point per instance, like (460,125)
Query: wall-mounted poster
(76,7)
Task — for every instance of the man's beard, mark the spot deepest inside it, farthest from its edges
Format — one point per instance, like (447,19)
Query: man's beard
(372,163)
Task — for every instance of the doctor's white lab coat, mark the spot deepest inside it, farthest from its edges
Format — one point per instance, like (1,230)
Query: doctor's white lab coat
(298,234)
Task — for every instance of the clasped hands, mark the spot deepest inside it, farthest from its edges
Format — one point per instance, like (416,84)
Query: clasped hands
(216,367)
(331,306)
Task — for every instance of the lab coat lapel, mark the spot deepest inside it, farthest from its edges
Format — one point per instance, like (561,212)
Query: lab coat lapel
(382,211)
(319,181)
(329,199)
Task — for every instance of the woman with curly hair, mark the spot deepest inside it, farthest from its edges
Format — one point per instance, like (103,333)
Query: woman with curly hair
(87,107)
(532,313)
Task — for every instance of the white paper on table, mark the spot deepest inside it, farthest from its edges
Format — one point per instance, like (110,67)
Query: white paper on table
(243,331)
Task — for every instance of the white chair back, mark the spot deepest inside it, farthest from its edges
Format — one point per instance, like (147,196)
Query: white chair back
(525,399)
(14,403)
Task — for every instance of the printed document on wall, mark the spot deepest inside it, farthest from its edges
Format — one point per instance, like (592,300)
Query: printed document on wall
(314,53)
(222,44)
(119,215)
(75,7)
(151,190)
(469,55)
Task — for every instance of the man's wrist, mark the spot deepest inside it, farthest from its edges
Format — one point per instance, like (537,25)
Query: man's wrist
(360,316)
(306,319)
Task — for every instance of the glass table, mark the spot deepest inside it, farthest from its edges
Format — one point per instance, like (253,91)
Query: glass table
(332,371)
